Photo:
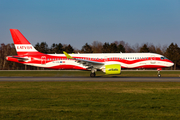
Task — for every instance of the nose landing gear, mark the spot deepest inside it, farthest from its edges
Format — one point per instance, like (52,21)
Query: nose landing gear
(159,69)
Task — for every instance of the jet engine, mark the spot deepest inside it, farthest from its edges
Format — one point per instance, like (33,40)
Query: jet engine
(112,69)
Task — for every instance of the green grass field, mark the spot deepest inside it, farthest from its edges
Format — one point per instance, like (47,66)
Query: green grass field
(86,74)
(90,100)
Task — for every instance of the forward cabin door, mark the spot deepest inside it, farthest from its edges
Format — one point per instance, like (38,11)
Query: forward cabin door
(153,59)
(105,59)
(43,60)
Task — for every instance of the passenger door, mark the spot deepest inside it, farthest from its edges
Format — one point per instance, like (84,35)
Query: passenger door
(43,59)
(153,59)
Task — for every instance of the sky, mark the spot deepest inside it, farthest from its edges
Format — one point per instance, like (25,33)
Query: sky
(77,22)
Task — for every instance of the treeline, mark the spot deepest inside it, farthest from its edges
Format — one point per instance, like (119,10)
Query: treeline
(172,51)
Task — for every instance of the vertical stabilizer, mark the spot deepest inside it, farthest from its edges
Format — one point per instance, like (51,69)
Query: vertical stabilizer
(22,45)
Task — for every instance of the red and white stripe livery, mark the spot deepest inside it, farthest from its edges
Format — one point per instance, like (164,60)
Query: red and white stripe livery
(28,55)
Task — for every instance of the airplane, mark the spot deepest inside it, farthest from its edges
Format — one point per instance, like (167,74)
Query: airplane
(109,63)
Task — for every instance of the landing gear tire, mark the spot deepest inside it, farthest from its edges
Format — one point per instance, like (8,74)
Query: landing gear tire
(159,69)
(159,75)
(93,74)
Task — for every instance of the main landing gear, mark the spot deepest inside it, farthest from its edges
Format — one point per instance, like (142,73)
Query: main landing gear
(93,74)
(159,69)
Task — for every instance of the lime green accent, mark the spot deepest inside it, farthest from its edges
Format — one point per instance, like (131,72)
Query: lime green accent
(67,55)
(113,69)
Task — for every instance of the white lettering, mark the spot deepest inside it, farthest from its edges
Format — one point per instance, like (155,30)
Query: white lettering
(25,47)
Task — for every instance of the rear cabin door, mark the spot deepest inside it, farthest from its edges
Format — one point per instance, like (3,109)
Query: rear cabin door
(43,59)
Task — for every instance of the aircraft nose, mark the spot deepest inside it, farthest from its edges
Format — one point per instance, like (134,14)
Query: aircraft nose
(171,64)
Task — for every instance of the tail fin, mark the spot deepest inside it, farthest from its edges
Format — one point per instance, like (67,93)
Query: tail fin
(22,45)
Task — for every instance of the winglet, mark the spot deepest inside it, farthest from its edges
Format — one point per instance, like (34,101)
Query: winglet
(67,55)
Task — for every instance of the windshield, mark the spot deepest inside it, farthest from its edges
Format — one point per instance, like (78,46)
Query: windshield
(162,58)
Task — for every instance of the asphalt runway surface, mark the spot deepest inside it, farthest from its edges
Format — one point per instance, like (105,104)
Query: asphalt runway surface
(85,79)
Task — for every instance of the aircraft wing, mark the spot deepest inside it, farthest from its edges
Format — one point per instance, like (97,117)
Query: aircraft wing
(84,62)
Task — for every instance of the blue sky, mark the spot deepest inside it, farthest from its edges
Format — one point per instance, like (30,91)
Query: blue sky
(76,22)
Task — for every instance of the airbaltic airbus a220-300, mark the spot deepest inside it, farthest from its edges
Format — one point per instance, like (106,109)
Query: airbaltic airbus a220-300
(109,63)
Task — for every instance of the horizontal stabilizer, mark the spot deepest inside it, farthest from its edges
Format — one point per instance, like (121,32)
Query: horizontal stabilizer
(20,58)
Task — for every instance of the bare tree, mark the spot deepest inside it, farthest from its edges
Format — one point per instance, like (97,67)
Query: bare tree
(96,47)
(159,50)
(136,47)
(164,48)
(152,48)
(128,48)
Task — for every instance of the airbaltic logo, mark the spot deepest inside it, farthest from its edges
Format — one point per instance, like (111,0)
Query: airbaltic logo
(111,69)
(25,47)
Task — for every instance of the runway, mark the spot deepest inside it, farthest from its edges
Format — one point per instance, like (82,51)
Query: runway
(85,79)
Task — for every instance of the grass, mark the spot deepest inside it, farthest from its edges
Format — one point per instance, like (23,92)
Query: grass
(90,100)
(86,74)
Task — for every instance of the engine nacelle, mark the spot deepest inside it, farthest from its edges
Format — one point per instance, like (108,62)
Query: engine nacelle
(112,69)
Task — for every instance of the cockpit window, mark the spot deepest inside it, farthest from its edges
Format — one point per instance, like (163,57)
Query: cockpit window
(162,58)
